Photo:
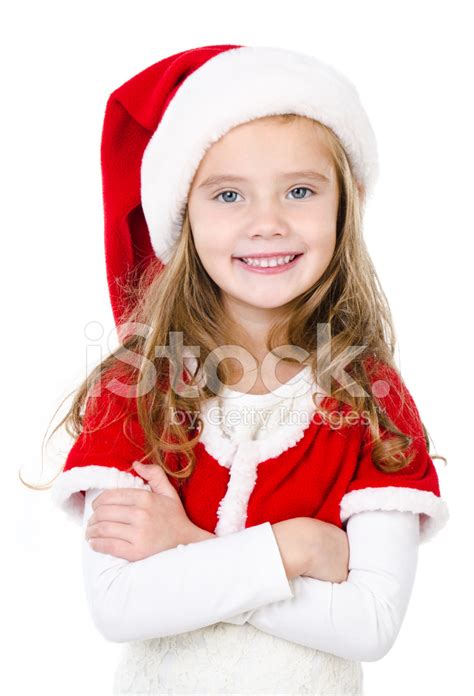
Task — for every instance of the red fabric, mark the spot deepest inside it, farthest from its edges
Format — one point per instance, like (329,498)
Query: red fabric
(399,405)
(112,435)
(132,114)
(307,480)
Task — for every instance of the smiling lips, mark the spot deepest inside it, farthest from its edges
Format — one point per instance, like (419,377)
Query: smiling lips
(268,265)
(266,254)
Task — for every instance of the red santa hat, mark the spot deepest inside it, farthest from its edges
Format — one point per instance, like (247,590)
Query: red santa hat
(159,124)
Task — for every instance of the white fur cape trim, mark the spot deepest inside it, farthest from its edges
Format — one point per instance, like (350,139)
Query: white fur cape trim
(432,509)
(236,86)
(242,457)
(66,489)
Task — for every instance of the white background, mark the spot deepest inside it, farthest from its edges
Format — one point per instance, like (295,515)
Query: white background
(412,65)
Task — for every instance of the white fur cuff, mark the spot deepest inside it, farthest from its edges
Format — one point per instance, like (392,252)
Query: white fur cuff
(433,510)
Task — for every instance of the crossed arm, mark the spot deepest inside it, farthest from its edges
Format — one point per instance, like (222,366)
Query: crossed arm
(241,577)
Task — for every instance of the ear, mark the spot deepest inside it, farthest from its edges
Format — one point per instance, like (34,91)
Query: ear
(361,190)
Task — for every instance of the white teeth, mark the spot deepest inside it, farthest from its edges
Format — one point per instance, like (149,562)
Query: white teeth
(269,262)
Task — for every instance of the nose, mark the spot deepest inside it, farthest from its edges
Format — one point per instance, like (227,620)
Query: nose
(267,219)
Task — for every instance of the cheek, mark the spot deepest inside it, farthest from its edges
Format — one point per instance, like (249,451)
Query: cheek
(328,243)
(212,249)
(213,253)
(322,240)
(320,252)
(204,215)
(213,241)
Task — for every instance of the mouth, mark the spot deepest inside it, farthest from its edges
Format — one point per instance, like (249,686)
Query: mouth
(252,266)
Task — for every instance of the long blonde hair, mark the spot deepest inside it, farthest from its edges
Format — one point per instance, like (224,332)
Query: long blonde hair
(181,297)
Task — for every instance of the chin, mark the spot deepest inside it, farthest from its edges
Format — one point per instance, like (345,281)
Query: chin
(275,303)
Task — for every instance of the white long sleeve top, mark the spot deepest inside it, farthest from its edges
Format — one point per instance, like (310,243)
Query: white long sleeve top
(241,577)
(220,616)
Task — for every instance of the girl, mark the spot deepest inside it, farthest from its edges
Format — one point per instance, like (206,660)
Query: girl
(251,473)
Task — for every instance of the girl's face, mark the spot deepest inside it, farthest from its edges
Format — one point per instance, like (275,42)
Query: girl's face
(266,201)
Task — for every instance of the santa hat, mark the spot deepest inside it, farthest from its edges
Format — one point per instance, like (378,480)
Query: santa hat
(159,124)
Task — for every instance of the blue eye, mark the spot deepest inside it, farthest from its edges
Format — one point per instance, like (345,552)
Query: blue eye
(297,188)
(301,188)
(222,193)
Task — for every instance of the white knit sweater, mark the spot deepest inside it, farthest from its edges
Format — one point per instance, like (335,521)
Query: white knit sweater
(220,616)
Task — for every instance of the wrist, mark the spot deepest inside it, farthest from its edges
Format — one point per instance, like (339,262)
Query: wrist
(195,534)
(291,539)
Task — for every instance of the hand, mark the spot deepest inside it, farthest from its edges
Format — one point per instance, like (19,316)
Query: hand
(133,524)
(328,552)
(293,539)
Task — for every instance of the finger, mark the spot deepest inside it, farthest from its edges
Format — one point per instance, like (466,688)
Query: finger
(120,496)
(114,547)
(111,530)
(156,478)
(154,474)
(114,513)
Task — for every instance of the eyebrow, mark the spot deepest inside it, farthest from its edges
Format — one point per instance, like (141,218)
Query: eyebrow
(223,178)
